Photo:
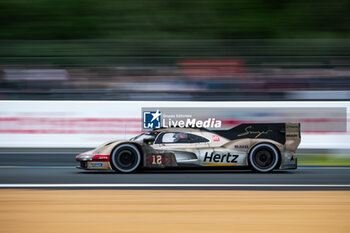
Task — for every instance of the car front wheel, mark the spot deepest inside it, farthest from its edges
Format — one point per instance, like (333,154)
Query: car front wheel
(125,158)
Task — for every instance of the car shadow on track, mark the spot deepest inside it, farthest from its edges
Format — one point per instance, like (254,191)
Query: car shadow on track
(182,172)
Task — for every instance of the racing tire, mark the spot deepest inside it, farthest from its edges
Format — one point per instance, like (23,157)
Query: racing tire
(263,158)
(125,158)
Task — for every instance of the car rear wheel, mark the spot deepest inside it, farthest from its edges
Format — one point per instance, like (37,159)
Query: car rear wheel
(263,157)
(125,158)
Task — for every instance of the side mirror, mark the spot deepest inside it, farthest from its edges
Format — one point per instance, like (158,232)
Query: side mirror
(149,140)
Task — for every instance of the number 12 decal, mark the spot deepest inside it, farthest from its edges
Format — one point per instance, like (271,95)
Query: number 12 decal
(157,159)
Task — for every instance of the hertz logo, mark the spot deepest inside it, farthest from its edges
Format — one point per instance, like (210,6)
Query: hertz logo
(220,158)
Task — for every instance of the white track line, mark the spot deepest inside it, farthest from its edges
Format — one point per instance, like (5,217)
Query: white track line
(173,185)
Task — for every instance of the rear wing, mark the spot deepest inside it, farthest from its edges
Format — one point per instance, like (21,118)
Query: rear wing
(285,133)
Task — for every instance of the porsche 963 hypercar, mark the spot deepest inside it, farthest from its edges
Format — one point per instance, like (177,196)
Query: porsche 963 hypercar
(260,147)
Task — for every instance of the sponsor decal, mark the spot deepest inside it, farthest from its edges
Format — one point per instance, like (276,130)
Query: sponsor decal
(217,157)
(156,159)
(249,130)
(220,164)
(216,138)
(96,164)
(152,119)
(241,146)
(100,158)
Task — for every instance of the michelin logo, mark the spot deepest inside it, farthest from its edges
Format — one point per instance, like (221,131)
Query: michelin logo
(151,119)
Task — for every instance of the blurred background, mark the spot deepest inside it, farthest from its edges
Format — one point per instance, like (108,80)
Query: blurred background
(105,58)
(174,50)
(205,50)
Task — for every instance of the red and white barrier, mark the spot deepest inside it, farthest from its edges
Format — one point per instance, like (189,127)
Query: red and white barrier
(70,124)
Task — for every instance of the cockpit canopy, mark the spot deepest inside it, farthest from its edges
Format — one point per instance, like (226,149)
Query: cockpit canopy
(168,137)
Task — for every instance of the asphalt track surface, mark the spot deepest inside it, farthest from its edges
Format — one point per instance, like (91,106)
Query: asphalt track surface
(58,171)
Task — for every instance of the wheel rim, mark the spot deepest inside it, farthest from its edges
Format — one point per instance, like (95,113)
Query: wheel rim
(264,158)
(126,159)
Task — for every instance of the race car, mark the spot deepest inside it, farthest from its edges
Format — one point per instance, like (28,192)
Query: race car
(260,147)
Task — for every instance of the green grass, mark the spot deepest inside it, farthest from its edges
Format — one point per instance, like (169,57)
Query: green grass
(323,160)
